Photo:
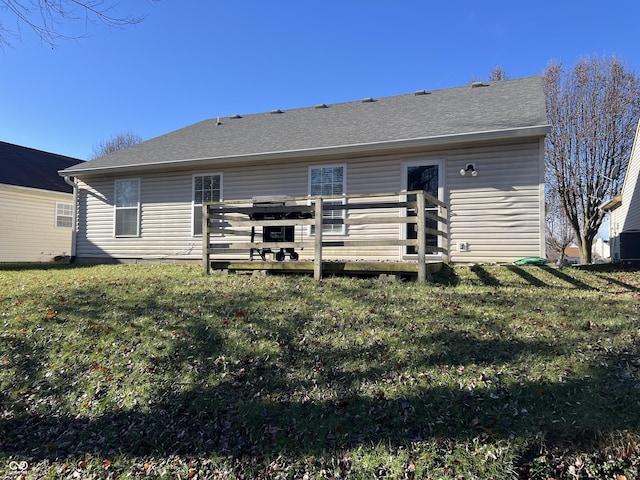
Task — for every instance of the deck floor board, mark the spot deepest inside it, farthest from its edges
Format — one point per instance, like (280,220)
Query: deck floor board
(328,267)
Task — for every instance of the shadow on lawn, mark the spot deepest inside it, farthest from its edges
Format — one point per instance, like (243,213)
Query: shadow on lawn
(616,281)
(534,275)
(485,277)
(236,419)
(224,421)
(528,275)
(562,275)
(309,398)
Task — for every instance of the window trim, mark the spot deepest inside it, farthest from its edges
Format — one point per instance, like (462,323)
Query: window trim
(116,208)
(58,215)
(193,198)
(343,229)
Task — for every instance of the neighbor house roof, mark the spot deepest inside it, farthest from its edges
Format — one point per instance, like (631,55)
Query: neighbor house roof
(572,251)
(480,110)
(27,167)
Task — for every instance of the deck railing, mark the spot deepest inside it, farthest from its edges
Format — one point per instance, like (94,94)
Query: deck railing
(229,227)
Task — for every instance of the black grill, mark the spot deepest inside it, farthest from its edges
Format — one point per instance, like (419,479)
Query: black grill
(276,210)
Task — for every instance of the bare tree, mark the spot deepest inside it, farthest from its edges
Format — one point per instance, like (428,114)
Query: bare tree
(115,143)
(559,232)
(48,18)
(593,110)
(497,74)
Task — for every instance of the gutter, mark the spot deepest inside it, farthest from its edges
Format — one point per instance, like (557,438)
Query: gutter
(74,225)
(372,147)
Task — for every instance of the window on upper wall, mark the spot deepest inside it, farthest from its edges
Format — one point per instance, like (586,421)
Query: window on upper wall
(329,181)
(127,206)
(64,215)
(206,188)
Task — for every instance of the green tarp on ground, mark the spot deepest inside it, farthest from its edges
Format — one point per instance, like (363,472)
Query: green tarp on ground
(530,261)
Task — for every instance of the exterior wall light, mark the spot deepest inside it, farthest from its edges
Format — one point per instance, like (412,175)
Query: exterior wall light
(470,169)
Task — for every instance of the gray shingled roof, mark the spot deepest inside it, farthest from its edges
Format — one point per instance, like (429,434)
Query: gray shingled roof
(27,167)
(496,107)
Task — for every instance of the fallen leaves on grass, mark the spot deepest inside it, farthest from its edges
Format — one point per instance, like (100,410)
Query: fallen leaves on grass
(262,380)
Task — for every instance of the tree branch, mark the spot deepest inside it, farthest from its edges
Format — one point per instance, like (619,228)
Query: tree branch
(48,18)
(593,111)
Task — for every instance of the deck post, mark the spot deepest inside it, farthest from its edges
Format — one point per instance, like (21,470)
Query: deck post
(206,260)
(421,237)
(317,262)
(445,237)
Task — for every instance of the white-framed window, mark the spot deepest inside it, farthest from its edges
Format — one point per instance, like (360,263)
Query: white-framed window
(127,207)
(64,215)
(329,180)
(206,188)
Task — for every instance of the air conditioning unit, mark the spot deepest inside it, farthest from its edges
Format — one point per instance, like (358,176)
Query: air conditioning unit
(629,246)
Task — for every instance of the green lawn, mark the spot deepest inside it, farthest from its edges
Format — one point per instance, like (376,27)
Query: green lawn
(158,371)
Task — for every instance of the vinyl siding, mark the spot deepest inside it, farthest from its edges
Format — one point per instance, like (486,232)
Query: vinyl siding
(165,220)
(498,213)
(626,217)
(28,219)
(630,208)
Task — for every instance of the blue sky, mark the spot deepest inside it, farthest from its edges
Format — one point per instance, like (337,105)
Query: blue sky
(196,59)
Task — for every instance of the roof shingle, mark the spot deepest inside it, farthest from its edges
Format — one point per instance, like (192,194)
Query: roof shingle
(499,106)
(27,167)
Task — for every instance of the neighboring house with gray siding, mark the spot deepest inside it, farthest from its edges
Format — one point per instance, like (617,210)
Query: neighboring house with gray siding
(36,217)
(624,211)
(144,202)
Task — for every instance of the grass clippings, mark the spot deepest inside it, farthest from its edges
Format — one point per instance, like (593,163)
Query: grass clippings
(158,371)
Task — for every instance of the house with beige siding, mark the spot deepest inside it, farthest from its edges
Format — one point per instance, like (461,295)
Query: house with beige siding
(478,148)
(36,217)
(624,211)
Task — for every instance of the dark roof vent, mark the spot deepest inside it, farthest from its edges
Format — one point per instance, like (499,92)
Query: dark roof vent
(479,84)
(421,92)
(322,105)
(368,100)
(273,112)
(236,116)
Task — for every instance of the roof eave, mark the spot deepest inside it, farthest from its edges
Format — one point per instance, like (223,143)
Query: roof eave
(611,204)
(531,131)
(35,189)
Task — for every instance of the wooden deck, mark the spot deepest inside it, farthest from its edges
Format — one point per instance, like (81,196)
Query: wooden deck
(234,228)
(400,269)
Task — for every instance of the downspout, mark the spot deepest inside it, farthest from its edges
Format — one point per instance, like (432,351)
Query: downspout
(74,225)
